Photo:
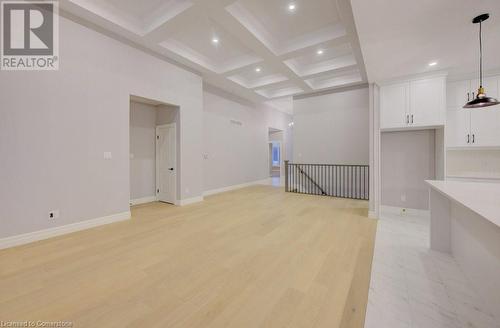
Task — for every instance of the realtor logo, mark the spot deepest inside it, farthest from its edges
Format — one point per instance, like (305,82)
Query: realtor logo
(30,35)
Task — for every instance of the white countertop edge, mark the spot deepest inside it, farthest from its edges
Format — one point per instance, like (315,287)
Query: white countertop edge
(490,214)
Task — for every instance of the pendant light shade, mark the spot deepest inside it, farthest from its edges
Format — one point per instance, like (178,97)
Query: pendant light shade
(481,99)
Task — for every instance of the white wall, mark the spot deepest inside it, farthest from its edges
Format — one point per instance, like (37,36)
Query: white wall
(374,203)
(236,154)
(332,128)
(407,160)
(56,125)
(142,150)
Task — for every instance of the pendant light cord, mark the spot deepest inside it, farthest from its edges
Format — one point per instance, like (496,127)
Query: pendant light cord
(480,55)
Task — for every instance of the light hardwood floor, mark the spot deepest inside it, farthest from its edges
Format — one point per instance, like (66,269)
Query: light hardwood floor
(255,257)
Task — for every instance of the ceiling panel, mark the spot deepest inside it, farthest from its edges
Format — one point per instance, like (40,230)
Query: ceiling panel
(322,60)
(334,80)
(283,30)
(139,17)
(196,41)
(258,75)
(279,90)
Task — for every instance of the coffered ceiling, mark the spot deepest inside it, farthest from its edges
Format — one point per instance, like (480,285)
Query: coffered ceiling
(261,50)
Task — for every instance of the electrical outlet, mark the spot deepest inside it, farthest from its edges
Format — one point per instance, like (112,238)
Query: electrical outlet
(54,214)
(107,155)
(403,211)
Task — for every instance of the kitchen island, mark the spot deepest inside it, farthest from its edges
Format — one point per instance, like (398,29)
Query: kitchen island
(465,221)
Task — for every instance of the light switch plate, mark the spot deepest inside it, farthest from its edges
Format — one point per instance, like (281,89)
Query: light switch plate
(108,155)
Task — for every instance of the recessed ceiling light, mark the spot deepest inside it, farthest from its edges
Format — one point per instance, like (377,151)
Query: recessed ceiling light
(292,7)
(215,40)
(319,52)
(433,63)
(258,69)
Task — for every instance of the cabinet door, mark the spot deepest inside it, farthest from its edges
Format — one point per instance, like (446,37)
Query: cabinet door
(485,126)
(394,105)
(458,127)
(427,103)
(490,85)
(456,94)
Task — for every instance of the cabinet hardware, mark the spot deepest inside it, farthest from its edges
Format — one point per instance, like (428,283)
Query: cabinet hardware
(473,138)
(468,138)
(411,118)
(407,119)
(468,96)
(473,94)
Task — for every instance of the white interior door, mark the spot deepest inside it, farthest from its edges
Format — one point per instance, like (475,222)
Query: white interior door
(166,173)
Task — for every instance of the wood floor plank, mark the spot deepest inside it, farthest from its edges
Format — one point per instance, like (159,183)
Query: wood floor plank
(255,257)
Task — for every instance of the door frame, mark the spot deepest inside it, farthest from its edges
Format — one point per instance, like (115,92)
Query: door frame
(157,159)
(281,161)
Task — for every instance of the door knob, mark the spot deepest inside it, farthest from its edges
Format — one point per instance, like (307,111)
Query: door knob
(170,168)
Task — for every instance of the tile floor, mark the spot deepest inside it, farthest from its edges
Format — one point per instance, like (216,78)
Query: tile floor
(414,287)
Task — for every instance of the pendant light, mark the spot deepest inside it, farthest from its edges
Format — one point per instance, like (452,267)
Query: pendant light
(481,99)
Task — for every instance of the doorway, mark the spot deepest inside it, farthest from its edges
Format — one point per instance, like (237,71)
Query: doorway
(154,151)
(166,159)
(275,159)
(276,156)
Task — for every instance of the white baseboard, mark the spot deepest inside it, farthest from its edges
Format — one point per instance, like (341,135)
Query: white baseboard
(30,237)
(406,212)
(234,187)
(143,200)
(187,201)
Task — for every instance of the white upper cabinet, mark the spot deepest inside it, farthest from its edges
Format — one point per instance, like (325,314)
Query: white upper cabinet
(458,128)
(457,93)
(394,103)
(490,85)
(427,102)
(418,103)
(485,126)
(475,127)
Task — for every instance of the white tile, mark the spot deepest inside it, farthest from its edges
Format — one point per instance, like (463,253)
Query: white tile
(412,286)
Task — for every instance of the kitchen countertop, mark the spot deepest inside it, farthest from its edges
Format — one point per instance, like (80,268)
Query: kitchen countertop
(480,197)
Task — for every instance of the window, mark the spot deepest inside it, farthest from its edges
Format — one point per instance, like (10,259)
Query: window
(276,154)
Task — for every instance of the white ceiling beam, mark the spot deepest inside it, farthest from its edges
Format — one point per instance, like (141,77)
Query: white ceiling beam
(348,20)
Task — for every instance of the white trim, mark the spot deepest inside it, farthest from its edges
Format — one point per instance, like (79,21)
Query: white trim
(143,200)
(30,237)
(188,201)
(409,211)
(372,215)
(234,187)
(413,77)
